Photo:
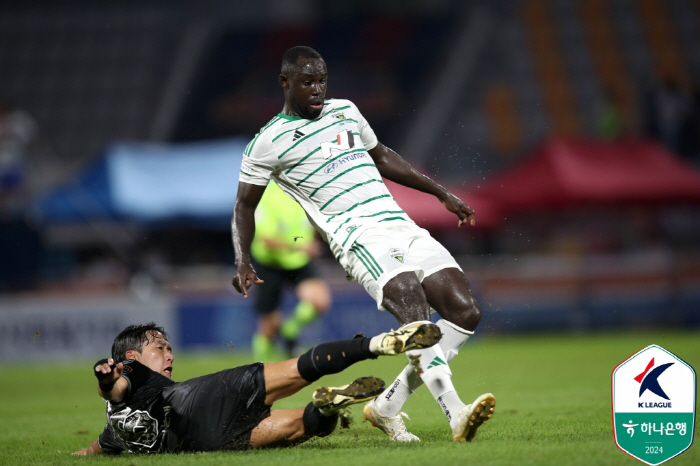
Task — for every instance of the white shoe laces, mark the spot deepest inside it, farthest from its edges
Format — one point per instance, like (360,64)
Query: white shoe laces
(397,427)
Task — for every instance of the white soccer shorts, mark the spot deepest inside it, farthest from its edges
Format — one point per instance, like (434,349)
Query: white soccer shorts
(381,253)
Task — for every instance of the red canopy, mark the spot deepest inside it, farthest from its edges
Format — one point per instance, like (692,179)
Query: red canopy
(429,213)
(562,174)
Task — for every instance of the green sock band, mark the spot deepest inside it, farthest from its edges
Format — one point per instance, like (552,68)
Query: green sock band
(302,315)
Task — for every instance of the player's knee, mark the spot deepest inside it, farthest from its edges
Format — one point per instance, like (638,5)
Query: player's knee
(464,312)
(316,424)
(473,312)
(404,297)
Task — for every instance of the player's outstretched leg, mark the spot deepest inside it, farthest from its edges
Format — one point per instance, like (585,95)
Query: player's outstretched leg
(333,357)
(472,416)
(416,335)
(320,417)
(330,400)
(283,379)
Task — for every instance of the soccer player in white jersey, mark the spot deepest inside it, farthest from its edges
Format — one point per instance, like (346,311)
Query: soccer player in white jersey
(324,154)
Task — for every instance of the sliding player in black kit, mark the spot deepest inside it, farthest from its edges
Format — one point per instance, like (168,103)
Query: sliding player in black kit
(147,412)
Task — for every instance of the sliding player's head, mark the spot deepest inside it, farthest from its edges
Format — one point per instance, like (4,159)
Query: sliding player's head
(147,344)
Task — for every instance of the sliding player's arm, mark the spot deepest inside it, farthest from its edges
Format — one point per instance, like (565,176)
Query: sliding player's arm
(111,386)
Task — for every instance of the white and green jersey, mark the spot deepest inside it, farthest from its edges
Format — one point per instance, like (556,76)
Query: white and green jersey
(323,164)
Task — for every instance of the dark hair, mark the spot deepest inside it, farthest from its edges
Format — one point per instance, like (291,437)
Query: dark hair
(289,60)
(132,338)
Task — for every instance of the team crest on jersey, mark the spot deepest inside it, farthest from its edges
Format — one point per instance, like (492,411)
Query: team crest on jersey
(136,429)
(340,116)
(397,254)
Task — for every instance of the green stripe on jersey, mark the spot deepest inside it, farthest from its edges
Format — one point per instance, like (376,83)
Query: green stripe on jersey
(290,130)
(302,159)
(250,145)
(366,216)
(339,108)
(347,237)
(309,155)
(384,212)
(338,176)
(311,134)
(359,204)
(289,117)
(348,190)
(341,226)
(299,183)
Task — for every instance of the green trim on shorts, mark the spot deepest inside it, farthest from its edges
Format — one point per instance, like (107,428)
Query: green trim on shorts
(364,262)
(367,260)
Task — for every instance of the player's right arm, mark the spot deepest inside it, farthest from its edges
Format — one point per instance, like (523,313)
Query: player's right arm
(242,233)
(111,386)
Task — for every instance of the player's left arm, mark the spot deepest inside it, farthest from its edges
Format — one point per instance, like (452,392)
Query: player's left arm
(93,449)
(394,168)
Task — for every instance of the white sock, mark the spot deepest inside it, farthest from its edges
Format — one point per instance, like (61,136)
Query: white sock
(392,400)
(453,338)
(437,376)
(451,405)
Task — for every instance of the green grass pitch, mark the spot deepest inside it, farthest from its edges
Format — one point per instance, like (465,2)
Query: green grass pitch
(552,394)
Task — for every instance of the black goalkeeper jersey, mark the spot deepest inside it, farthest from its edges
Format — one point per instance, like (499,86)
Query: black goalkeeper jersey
(139,422)
(212,412)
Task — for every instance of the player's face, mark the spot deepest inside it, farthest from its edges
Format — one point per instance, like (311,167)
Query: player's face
(306,88)
(156,354)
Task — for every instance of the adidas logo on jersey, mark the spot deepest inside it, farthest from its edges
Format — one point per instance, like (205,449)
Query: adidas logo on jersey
(297,135)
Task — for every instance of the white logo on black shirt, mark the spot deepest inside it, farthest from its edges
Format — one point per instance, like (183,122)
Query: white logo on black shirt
(137,429)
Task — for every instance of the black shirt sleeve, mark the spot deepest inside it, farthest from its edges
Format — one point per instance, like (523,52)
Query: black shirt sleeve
(108,442)
(136,374)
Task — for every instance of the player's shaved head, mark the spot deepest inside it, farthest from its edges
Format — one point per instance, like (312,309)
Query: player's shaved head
(291,56)
(133,338)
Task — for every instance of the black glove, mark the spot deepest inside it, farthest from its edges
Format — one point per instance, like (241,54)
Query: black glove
(100,376)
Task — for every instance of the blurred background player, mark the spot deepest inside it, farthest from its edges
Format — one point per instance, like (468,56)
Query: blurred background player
(283,248)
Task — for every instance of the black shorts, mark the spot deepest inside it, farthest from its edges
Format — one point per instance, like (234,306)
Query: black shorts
(269,293)
(217,411)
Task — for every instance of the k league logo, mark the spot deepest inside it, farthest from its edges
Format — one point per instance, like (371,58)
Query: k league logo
(653,404)
(651,382)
